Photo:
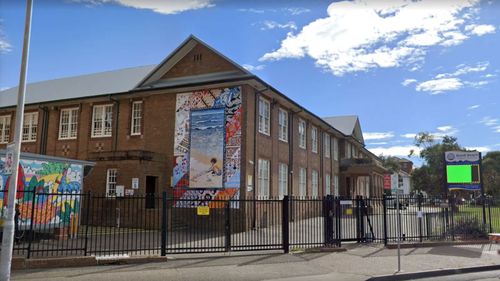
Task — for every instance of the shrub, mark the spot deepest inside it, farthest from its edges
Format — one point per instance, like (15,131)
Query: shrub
(468,228)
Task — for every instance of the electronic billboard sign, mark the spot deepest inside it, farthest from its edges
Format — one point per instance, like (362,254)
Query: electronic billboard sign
(463,170)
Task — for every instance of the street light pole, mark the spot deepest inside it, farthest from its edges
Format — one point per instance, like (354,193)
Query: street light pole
(8,225)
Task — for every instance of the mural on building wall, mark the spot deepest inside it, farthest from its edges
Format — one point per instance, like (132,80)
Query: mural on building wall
(45,177)
(206,151)
(198,173)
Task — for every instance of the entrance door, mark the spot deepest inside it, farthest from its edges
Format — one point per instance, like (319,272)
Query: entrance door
(150,191)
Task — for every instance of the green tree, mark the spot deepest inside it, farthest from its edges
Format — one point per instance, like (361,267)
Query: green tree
(491,173)
(390,163)
(431,176)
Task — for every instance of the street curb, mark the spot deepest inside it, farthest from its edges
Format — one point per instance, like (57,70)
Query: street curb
(19,263)
(434,273)
(436,244)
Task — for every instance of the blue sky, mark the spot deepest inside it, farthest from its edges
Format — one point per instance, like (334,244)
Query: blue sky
(402,66)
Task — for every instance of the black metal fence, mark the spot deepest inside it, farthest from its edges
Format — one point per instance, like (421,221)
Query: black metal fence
(57,224)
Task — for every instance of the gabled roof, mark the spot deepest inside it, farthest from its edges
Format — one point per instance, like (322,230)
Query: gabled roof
(154,79)
(103,83)
(349,125)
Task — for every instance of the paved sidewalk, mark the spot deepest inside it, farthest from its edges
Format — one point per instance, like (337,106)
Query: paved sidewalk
(360,262)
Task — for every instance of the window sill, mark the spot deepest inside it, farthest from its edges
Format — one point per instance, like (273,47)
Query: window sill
(100,137)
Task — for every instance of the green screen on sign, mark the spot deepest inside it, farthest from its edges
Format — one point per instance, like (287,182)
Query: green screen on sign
(459,173)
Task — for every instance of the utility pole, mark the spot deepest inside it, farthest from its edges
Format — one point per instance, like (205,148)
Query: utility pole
(8,225)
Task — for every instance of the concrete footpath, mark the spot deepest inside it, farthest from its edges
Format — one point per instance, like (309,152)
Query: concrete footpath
(359,262)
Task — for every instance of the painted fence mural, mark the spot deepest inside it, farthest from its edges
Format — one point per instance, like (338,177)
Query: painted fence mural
(45,177)
(207,146)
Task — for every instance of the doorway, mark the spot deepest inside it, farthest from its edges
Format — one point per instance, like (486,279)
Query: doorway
(151,182)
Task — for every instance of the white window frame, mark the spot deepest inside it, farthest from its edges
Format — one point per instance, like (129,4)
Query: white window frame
(335,149)
(348,150)
(302,182)
(106,118)
(5,121)
(264,116)
(326,145)
(263,178)
(68,127)
(283,180)
(136,118)
(314,139)
(328,184)
(111,182)
(30,124)
(283,125)
(314,184)
(302,134)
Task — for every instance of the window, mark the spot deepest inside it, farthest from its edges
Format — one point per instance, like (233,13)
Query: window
(102,119)
(326,145)
(354,152)
(135,122)
(314,139)
(263,178)
(4,129)
(30,124)
(328,184)
(335,149)
(302,134)
(336,185)
(283,125)
(68,123)
(302,182)
(111,182)
(283,180)
(264,116)
(348,148)
(314,184)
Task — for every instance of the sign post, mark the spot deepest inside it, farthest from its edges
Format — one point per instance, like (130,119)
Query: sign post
(8,227)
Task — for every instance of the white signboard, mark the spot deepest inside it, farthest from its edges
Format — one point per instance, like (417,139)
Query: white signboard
(461,156)
(345,202)
(420,214)
(135,183)
(394,182)
(120,191)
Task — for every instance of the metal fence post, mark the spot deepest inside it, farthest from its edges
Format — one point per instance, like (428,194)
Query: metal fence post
(384,205)
(285,224)
(420,218)
(163,246)
(489,214)
(89,199)
(228,225)
(31,234)
(328,219)
(452,207)
(338,214)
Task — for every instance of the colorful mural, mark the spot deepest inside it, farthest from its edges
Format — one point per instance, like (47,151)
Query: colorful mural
(200,142)
(206,151)
(47,178)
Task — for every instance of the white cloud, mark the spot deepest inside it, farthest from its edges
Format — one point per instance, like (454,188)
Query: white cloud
(481,149)
(496,129)
(409,136)
(438,86)
(296,10)
(377,143)
(480,29)
(472,107)
(162,7)
(377,136)
(445,131)
(395,150)
(408,82)
(251,10)
(464,69)
(250,67)
(393,34)
(272,25)
(5,46)
(488,121)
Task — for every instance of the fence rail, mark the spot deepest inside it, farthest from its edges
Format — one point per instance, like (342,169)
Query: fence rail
(63,224)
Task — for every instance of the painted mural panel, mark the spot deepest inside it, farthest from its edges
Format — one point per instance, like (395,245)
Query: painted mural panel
(47,178)
(206,152)
(191,144)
